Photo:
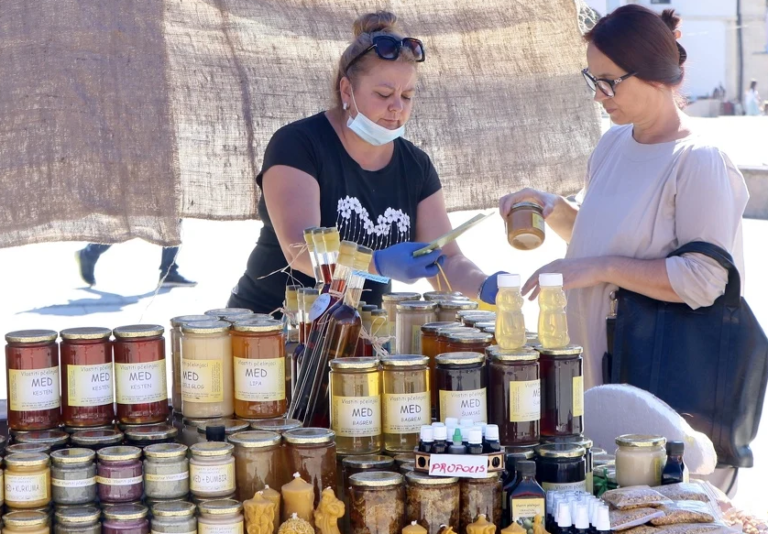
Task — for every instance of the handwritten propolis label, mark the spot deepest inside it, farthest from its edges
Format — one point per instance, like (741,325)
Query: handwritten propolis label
(458,465)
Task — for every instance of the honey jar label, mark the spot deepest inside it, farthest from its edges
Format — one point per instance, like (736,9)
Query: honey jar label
(416,339)
(27,488)
(353,417)
(174,477)
(524,401)
(89,385)
(209,478)
(233,528)
(140,383)
(528,508)
(461,404)
(158,532)
(538,221)
(33,389)
(129,481)
(578,396)
(260,380)
(82,483)
(202,380)
(405,413)
(565,486)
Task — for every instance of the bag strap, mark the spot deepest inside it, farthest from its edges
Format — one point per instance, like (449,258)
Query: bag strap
(733,289)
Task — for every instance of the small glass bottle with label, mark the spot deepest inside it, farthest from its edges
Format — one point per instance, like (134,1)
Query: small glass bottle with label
(73,476)
(258,347)
(526,499)
(406,402)
(166,471)
(86,377)
(32,363)
(176,517)
(206,370)
(411,316)
(514,395)
(119,475)
(212,470)
(126,519)
(562,391)
(27,481)
(356,405)
(462,386)
(141,390)
(220,517)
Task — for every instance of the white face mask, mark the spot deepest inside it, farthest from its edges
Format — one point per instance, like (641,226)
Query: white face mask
(369,131)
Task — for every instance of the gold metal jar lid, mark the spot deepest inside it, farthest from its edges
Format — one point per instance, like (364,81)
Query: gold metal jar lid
(442,295)
(309,436)
(376,479)
(72,456)
(97,437)
(181,319)
(52,438)
(423,479)
(279,425)
(27,459)
(469,338)
(458,305)
(401,361)
(28,448)
(445,331)
(126,512)
(138,330)
(174,509)
(482,325)
(527,205)
(400,297)
(368,461)
(119,453)
(145,433)
(220,507)
(258,325)
(165,450)
(211,448)
(464,313)
(77,515)
(205,327)
(230,425)
(474,320)
(523,354)
(460,358)
(404,457)
(432,328)
(224,312)
(640,440)
(560,450)
(31,336)
(253,439)
(354,363)
(581,441)
(565,352)
(416,306)
(86,333)
(25,519)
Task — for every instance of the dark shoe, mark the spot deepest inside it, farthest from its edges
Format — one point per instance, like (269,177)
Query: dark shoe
(174,279)
(87,266)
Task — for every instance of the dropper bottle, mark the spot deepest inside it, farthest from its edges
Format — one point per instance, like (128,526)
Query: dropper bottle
(457,447)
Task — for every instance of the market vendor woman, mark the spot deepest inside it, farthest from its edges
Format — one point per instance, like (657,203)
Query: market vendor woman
(349,167)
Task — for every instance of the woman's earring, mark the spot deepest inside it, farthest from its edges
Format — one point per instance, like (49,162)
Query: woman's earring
(344,106)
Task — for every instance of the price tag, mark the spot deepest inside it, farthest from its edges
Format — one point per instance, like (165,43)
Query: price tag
(458,465)
(319,306)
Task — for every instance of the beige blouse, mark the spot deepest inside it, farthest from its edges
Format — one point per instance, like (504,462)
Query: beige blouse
(644,201)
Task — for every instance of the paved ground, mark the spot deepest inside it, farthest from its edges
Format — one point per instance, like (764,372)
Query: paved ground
(41,288)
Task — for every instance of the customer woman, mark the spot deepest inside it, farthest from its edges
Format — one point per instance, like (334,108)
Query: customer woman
(350,167)
(652,185)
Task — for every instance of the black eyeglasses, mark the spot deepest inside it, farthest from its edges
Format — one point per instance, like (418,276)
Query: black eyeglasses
(388,48)
(606,86)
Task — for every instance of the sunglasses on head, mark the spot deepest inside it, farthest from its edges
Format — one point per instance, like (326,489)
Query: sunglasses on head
(388,48)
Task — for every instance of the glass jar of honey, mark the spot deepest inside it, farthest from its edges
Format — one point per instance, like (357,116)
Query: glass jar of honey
(356,405)
(406,401)
(27,480)
(411,316)
(206,370)
(175,335)
(444,331)
(141,389)
(562,391)
(468,342)
(514,395)
(312,453)
(525,226)
(432,501)
(429,348)
(259,462)
(377,503)
(462,385)
(389,303)
(32,367)
(28,522)
(258,348)
(86,377)
(447,309)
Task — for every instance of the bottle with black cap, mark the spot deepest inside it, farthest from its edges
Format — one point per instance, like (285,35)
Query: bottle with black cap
(491,441)
(526,499)
(441,438)
(475,441)
(674,471)
(215,433)
(426,439)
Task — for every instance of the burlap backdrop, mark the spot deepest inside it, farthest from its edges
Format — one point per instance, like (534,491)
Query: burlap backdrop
(118,117)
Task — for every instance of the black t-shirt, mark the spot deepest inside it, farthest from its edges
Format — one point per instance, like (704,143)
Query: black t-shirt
(372,208)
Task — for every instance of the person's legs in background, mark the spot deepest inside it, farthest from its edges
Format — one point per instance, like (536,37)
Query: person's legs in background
(169,270)
(86,260)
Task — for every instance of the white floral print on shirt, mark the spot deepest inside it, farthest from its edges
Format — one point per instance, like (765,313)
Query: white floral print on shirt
(355,224)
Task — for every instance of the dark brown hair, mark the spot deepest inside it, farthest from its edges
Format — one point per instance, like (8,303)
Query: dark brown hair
(643,42)
(365,28)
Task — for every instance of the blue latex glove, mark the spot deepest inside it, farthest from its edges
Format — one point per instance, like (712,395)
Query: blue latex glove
(397,262)
(490,287)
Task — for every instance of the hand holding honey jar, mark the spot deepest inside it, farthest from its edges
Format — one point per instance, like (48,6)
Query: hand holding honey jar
(525,212)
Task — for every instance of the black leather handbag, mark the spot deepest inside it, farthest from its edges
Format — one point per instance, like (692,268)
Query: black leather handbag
(709,364)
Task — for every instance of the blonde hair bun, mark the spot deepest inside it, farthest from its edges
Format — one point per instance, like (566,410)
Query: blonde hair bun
(381,21)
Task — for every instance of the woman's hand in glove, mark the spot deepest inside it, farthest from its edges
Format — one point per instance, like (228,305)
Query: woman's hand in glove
(397,262)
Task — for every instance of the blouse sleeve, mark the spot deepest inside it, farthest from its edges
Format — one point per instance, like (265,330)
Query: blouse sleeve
(710,201)
(292,147)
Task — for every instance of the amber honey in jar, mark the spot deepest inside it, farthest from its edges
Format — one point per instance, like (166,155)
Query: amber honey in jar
(86,377)
(32,379)
(444,331)
(468,341)
(311,452)
(406,401)
(411,316)
(258,347)
(141,389)
(356,405)
(514,395)
(462,385)
(377,503)
(429,348)
(562,391)
(447,309)
(525,226)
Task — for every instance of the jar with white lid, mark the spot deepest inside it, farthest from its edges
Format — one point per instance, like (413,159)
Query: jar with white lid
(166,471)
(640,460)
(212,470)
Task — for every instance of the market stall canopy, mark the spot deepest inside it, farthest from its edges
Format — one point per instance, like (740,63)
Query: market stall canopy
(119,118)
